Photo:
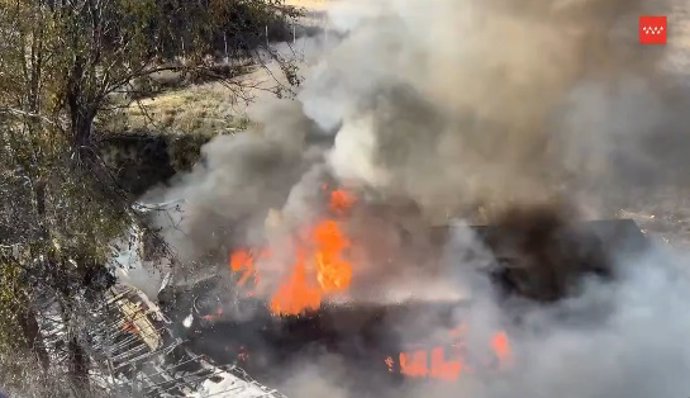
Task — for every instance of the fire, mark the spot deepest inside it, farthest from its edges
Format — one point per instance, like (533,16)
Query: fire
(241,261)
(446,364)
(341,201)
(298,293)
(501,347)
(443,369)
(334,273)
(414,364)
(434,364)
(320,267)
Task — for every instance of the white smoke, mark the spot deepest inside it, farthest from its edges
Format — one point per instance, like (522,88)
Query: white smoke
(630,350)
(460,108)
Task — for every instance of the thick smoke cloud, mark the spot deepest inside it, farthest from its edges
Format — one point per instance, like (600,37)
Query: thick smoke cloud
(463,109)
(488,101)
(227,196)
(614,340)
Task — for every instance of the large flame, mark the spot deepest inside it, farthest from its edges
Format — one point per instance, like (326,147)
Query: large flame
(334,272)
(298,292)
(319,268)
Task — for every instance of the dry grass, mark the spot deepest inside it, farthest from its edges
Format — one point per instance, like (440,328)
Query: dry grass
(312,5)
(205,109)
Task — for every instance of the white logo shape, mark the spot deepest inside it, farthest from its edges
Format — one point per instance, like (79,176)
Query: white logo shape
(653,30)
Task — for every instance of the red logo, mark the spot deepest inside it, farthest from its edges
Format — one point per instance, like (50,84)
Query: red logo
(652,30)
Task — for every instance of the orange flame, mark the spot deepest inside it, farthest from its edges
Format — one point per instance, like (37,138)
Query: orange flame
(443,369)
(341,201)
(414,364)
(439,364)
(501,347)
(320,267)
(297,293)
(334,273)
(433,364)
(241,261)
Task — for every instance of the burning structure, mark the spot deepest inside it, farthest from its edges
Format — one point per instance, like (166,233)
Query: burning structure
(321,226)
(341,226)
(315,307)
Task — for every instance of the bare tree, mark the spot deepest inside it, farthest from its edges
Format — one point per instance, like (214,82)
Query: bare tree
(61,64)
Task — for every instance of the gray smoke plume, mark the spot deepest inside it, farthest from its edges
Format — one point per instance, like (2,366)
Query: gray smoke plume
(614,340)
(466,103)
(432,110)
(463,107)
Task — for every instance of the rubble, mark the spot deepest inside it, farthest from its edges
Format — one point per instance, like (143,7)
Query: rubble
(133,353)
